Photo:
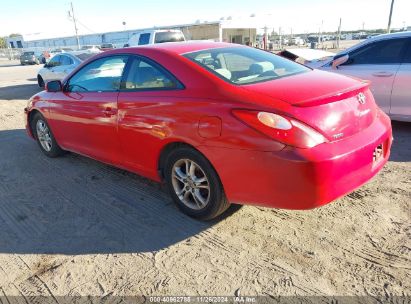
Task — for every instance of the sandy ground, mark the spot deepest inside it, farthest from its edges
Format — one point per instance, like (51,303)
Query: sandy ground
(73,226)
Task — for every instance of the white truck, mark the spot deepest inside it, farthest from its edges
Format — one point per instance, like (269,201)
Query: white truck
(155,36)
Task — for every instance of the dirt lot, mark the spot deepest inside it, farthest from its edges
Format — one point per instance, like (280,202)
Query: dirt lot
(73,226)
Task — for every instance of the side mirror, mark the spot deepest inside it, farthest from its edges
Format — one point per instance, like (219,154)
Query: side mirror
(46,65)
(339,61)
(54,86)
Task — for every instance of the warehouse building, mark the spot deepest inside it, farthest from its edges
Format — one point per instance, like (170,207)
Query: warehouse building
(236,31)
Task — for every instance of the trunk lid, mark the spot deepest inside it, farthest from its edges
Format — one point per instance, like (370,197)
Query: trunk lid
(335,105)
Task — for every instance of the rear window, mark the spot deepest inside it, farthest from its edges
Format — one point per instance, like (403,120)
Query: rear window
(245,65)
(28,53)
(162,37)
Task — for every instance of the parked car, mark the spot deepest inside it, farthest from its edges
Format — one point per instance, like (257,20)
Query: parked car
(91,48)
(297,41)
(155,36)
(309,57)
(218,123)
(385,60)
(61,65)
(30,57)
(107,47)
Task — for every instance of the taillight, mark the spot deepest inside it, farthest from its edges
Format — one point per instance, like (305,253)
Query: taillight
(283,129)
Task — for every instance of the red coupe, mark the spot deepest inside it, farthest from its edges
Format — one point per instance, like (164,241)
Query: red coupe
(218,123)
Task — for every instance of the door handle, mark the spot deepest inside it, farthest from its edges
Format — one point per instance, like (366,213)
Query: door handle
(109,112)
(382,74)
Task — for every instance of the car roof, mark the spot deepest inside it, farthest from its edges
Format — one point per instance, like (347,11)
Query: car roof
(392,35)
(381,37)
(184,47)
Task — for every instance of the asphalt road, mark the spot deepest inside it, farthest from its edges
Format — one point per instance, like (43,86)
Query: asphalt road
(73,226)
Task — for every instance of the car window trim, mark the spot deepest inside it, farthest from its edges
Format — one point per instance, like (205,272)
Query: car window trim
(67,82)
(132,57)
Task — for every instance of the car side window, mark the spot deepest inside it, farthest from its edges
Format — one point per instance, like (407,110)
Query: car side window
(65,60)
(144,39)
(55,61)
(143,75)
(101,75)
(381,52)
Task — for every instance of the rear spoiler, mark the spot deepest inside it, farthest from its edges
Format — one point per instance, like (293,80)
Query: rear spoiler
(350,92)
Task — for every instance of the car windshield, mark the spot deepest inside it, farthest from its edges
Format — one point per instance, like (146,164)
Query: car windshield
(84,56)
(28,53)
(245,65)
(168,37)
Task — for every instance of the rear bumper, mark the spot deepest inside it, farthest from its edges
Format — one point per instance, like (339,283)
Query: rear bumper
(29,61)
(302,178)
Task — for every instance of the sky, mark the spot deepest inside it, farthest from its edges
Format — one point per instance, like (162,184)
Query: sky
(46,19)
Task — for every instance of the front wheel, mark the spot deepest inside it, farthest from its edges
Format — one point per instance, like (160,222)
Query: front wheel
(194,184)
(44,136)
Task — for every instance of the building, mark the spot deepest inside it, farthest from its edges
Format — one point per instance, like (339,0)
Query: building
(236,31)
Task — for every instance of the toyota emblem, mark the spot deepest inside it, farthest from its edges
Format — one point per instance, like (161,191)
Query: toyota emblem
(361,98)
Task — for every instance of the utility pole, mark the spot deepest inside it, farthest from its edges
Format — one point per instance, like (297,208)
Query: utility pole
(339,35)
(389,19)
(280,38)
(75,25)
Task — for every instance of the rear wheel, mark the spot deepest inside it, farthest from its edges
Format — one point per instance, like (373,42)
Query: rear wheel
(44,136)
(40,81)
(194,185)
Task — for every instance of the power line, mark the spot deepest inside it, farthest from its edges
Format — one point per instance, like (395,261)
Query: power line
(86,27)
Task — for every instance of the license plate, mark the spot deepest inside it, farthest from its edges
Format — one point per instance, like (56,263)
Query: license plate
(378,154)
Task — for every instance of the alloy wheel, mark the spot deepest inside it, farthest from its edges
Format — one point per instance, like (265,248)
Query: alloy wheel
(191,184)
(43,135)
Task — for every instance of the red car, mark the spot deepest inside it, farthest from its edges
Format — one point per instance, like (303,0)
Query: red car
(219,123)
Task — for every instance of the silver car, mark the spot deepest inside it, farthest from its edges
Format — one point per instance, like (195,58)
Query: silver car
(61,65)
(385,60)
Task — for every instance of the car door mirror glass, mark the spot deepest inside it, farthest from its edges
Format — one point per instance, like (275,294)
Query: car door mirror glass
(54,86)
(340,61)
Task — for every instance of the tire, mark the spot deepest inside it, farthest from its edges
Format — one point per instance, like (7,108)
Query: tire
(40,81)
(194,198)
(46,140)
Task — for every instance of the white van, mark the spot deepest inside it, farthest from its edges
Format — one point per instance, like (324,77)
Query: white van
(155,36)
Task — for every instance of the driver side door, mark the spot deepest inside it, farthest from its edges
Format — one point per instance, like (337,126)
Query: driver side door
(84,115)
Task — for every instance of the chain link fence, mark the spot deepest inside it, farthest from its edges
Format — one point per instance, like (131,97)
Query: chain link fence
(10,54)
